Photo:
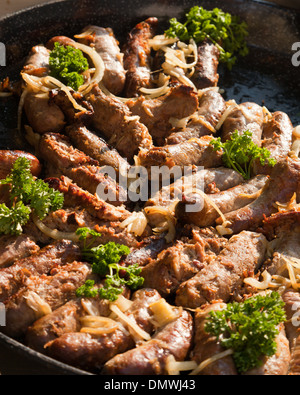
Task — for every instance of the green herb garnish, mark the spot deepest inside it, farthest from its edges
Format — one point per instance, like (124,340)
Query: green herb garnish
(27,195)
(66,64)
(105,259)
(220,27)
(240,153)
(248,328)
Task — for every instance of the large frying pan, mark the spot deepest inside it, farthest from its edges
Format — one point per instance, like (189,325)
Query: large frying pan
(267,76)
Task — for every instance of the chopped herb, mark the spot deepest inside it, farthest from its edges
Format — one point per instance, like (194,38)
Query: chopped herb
(66,64)
(105,259)
(27,195)
(248,328)
(240,153)
(87,290)
(220,27)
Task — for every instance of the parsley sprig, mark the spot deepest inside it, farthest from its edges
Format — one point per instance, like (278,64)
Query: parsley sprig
(240,153)
(105,259)
(248,328)
(27,195)
(223,29)
(67,64)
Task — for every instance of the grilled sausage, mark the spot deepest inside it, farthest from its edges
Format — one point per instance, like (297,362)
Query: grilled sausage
(230,200)
(180,102)
(13,248)
(196,152)
(284,182)
(106,45)
(208,180)
(210,109)
(41,262)
(89,351)
(206,70)
(42,115)
(277,364)
(64,159)
(54,290)
(8,158)
(114,121)
(247,116)
(137,61)
(206,345)
(96,148)
(241,257)
(277,137)
(150,358)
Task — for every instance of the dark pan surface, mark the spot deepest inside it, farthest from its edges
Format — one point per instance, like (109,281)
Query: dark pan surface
(266,76)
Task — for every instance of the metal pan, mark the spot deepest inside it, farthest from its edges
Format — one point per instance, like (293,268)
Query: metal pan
(267,76)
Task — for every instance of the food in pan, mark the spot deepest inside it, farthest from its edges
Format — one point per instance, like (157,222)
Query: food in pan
(112,268)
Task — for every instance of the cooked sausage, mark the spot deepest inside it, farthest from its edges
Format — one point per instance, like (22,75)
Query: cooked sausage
(284,182)
(196,152)
(277,137)
(37,62)
(106,45)
(41,262)
(206,70)
(230,200)
(13,248)
(113,120)
(62,40)
(247,116)
(277,364)
(8,158)
(42,115)
(208,180)
(137,60)
(88,351)
(210,109)
(54,290)
(96,148)
(150,358)
(206,345)
(64,159)
(241,257)
(180,102)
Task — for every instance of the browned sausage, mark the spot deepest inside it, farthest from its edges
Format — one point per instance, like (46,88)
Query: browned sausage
(247,116)
(105,43)
(241,256)
(206,70)
(227,201)
(277,138)
(150,358)
(8,158)
(137,57)
(62,40)
(206,345)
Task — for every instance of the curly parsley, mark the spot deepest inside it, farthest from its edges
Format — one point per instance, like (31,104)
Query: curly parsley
(248,328)
(105,259)
(67,64)
(223,29)
(27,195)
(240,153)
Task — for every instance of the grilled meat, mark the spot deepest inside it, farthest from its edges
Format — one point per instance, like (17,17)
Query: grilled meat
(174,339)
(13,248)
(210,109)
(240,258)
(8,158)
(137,59)
(115,122)
(180,102)
(107,46)
(229,200)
